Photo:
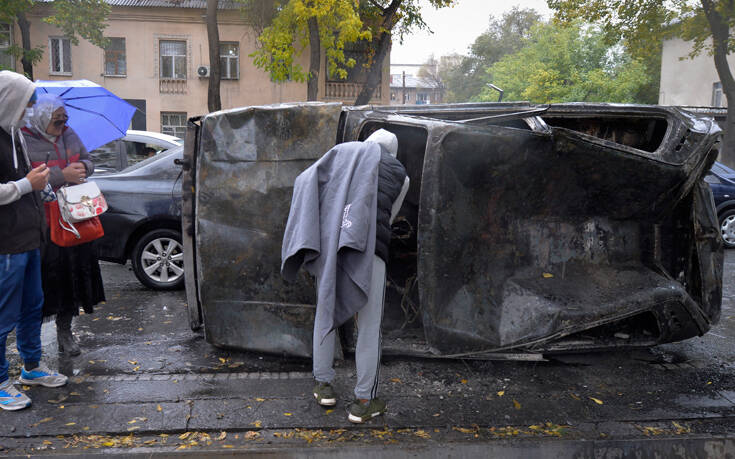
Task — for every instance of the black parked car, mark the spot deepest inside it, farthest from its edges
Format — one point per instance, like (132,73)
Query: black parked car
(721,180)
(143,222)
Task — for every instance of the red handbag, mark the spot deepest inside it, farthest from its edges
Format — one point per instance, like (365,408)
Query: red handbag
(67,234)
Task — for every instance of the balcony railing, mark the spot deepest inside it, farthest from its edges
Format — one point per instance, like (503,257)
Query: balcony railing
(347,92)
(172,86)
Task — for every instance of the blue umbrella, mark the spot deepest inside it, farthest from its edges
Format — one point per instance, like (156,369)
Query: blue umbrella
(96,115)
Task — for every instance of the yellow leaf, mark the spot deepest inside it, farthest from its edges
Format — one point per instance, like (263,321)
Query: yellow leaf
(227,446)
(251,435)
(575,397)
(463,381)
(596,400)
(184,435)
(108,443)
(158,408)
(222,436)
(222,360)
(70,424)
(329,411)
(287,414)
(395,380)
(256,424)
(140,328)
(547,275)
(422,434)
(46,442)
(136,368)
(85,428)
(259,399)
(501,393)
(92,362)
(516,404)
(709,382)
(133,362)
(130,429)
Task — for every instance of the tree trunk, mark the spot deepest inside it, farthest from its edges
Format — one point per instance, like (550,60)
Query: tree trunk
(25,37)
(383,45)
(312,85)
(214,102)
(720,37)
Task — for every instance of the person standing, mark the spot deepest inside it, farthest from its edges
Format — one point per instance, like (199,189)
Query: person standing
(21,233)
(358,188)
(71,275)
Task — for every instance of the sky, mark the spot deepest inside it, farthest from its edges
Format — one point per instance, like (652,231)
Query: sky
(455,29)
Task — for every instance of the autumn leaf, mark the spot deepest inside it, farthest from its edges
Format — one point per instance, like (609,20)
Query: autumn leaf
(395,380)
(158,408)
(329,412)
(227,446)
(130,429)
(596,400)
(463,381)
(251,435)
(547,275)
(574,396)
(221,436)
(516,405)
(259,399)
(70,424)
(501,393)
(257,424)
(422,434)
(287,414)
(133,362)
(184,435)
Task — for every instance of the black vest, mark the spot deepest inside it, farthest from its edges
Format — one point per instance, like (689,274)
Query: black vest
(391,175)
(22,222)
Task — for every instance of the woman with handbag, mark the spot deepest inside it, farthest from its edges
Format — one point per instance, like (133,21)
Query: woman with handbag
(71,275)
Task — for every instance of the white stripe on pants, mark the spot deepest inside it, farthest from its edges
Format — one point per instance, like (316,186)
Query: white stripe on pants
(367,351)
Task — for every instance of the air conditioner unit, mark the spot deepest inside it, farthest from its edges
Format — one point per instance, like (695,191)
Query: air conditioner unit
(203,71)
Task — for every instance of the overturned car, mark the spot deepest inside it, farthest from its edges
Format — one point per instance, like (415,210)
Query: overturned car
(527,229)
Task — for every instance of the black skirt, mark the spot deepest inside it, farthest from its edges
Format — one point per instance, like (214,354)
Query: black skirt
(71,278)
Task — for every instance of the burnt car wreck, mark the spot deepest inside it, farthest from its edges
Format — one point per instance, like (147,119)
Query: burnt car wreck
(527,229)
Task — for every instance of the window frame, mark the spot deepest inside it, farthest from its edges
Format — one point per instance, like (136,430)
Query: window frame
(718,97)
(173,57)
(63,71)
(3,49)
(172,129)
(124,56)
(228,58)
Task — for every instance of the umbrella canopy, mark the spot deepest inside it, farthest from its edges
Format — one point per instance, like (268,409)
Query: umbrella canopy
(96,115)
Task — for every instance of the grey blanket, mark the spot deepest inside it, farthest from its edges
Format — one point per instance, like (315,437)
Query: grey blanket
(331,229)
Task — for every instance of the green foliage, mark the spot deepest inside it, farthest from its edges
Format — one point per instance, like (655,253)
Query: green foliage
(465,77)
(567,64)
(288,36)
(81,18)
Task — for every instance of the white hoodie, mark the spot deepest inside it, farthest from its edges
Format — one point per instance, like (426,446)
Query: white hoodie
(15,92)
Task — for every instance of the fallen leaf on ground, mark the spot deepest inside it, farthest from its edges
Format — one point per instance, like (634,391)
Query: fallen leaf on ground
(516,404)
(227,446)
(596,400)
(575,397)
(251,435)
(133,362)
(158,408)
(501,393)
(396,380)
(256,424)
(70,424)
(221,436)
(287,414)
(547,275)
(422,434)
(463,381)
(329,412)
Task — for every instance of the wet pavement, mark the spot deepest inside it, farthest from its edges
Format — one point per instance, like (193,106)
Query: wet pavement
(146,384)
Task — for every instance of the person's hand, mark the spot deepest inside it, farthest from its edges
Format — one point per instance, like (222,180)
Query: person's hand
(75,173)
(38,177)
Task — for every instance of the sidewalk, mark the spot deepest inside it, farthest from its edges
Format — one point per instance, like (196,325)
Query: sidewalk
(146,384)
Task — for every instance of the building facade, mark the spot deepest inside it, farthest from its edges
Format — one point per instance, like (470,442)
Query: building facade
(408,88)
(158,60)
(689,82)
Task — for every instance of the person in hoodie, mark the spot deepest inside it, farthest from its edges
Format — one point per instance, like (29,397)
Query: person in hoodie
(71,275)
(22,230)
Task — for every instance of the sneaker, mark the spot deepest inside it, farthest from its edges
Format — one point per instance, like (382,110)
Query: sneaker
(12,399)
(42,376)
(324,394)
(361,412)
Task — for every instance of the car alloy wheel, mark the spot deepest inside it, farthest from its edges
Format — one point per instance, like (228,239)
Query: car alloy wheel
(158,260)
(727,228)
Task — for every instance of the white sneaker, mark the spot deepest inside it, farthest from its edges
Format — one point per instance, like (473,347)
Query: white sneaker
(42,376)
(12,399)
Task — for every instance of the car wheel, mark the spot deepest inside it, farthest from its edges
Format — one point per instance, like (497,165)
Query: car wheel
(727,228)
(158,260)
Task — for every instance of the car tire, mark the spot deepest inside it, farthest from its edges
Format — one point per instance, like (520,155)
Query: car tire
(727,228)
(158,260)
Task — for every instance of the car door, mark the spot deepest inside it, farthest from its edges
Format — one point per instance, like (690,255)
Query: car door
(240,168)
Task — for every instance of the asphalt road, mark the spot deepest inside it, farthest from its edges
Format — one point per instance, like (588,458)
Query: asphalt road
(146,384)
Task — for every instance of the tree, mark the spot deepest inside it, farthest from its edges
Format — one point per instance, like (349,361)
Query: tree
(467,78)
(75,18)
(706,23)
(214,103)
(567,64)
(324,25)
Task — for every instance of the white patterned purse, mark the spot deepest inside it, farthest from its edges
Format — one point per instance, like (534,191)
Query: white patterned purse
(81,202)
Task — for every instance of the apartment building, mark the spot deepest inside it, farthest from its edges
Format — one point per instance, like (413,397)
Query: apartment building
(158,60)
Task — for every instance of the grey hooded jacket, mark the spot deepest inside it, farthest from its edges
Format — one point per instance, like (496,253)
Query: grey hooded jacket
(331,229)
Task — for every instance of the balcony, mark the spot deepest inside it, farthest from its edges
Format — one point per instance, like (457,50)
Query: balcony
(347,92)
(172,86)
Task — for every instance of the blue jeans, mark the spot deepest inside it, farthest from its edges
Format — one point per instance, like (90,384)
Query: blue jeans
(21,304)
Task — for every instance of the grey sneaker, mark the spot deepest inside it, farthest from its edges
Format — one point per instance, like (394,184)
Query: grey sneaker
(324,394)
(42,376)
(361,412)
(12,399)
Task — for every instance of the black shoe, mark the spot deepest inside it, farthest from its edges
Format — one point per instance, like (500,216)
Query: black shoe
(67,344)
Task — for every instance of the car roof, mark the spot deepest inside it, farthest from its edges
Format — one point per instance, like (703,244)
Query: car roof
(155,138)
(721,170)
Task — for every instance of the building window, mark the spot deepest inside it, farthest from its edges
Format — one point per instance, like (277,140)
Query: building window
(115,63)
(717,99)
(229,60)
(6,41)
(174,123)
(173,59)
(392,95)
(60,59)
(422,98)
